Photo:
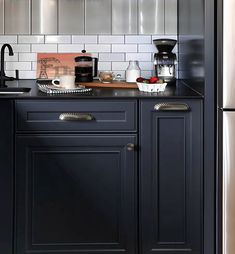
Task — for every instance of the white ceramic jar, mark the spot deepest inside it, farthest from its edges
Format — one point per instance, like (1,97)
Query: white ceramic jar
(133,71)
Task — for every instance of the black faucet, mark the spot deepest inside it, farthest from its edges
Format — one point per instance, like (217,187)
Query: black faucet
(3,77)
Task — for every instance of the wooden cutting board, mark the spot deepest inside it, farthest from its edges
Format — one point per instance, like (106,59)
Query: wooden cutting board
(114,84)
(52,65)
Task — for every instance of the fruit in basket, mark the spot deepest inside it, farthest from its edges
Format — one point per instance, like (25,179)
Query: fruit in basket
(153,80)
(146,81)
(152,85)
(140,80)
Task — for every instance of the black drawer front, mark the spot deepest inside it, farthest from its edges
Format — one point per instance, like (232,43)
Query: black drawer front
(90,115)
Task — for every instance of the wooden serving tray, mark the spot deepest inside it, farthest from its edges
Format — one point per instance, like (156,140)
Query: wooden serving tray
(114,84)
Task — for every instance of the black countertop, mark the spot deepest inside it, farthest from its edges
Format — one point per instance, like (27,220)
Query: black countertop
(179,91)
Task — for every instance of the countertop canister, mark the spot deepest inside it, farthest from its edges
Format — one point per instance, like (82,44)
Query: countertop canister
(133,71)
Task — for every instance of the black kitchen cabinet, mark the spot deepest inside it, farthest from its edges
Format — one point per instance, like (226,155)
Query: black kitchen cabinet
(171,177)
(76,193)
(85,187)
(6,177)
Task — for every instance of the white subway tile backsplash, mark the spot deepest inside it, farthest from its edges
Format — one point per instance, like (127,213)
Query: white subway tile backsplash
(146,66)
(27,74)
(23,74)
(122,73)
(19,48)
(31,39)
(98,48)
(111,57)
(146,74)
(104,66)
(111,39)
(95,55)
(58,39)
(139,56)
(27,57)
(8,39)
(175,49)
(138,39)
(14,58)
(34,66)
(145,48)
(11,66)
(124,48)
(119,66)
(70,48)
(10,73)
(84,39)
(114,51)
(44,48)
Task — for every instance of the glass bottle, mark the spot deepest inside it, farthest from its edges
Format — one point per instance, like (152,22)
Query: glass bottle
(133,71)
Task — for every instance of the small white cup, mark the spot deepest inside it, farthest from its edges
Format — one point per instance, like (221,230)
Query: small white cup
(66,81)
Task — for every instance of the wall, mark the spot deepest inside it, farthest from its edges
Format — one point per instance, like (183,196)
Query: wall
(113,52)
(191,42)
(115,31)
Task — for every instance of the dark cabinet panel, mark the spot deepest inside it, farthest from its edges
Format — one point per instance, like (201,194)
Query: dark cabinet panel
(6,177)
(105,115)
(75,194)
(171,179)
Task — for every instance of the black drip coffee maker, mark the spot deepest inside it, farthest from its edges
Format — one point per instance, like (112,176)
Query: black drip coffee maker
(86,68)
(165,60)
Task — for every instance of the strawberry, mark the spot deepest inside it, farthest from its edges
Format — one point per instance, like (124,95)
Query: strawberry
(146,81)
(140,79)
(153,80)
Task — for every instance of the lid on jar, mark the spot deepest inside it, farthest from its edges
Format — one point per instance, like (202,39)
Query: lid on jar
(83,59)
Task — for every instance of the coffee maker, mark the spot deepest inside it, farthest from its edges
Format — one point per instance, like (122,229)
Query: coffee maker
(86,68)
(165,60)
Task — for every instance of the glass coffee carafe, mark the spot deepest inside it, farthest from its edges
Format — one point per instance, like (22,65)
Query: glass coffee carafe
(86,68)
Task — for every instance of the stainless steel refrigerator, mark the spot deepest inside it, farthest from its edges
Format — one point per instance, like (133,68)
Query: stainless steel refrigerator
(227,117)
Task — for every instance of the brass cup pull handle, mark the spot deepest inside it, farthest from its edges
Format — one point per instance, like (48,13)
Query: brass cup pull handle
(76,117)
(130,147)
(171,106)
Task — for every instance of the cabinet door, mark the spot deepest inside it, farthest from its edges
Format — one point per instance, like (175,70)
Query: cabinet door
(124,16)
(71,16)
(1,16)
(6,176)
(171,17)
(75,194)
(151,16)
(171,177)
(17,16)
(98,17)
(44,16)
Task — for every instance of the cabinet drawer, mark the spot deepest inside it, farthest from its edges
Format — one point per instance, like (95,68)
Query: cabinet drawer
(82,116)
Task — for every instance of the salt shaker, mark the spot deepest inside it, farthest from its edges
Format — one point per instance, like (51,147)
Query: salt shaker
(133,71)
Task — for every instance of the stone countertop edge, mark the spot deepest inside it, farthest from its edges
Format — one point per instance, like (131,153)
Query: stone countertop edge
(180,91)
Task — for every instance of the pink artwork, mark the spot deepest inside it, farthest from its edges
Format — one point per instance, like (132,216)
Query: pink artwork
(54,65)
